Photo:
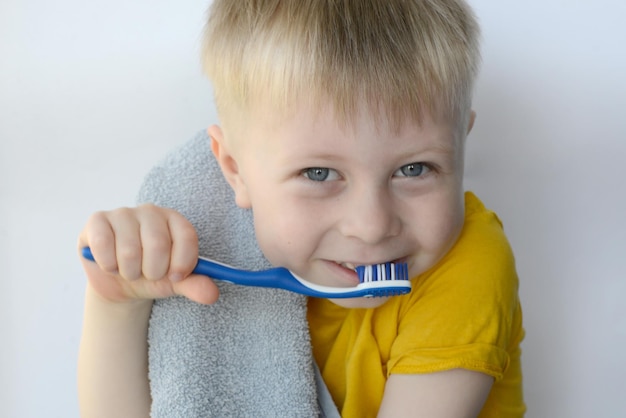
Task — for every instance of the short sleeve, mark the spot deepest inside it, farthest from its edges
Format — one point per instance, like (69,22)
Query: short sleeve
(462,312)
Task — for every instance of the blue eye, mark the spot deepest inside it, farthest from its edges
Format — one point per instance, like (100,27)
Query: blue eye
(316,173)
(320,174)
(411,170)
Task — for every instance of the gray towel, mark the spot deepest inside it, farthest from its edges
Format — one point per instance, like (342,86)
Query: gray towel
(249,354)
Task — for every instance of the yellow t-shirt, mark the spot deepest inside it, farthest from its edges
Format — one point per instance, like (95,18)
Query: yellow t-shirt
(462,313)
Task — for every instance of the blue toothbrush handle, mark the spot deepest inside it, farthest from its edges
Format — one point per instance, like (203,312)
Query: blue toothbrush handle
(226,273)
(281,278)
(278,277)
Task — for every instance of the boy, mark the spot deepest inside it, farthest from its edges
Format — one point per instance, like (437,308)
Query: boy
(342,127)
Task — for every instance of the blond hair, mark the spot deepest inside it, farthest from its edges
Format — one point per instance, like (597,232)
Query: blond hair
(402,57)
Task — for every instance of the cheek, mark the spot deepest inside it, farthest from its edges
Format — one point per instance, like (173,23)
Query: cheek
(439,225)
(451,223)
(284,233)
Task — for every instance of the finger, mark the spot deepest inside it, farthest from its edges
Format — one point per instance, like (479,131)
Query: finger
(99,237)
(156,241)
(184,252)
(128,247)
(197,288)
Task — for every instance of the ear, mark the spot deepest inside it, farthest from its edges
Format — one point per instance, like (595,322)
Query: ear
(229,166)
(472,119)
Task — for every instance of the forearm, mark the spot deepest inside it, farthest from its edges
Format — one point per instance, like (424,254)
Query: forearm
(455,393)
(113,359)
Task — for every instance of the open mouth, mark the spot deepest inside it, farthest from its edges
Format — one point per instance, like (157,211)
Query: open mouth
(355,273)
(353,266)
(349,266)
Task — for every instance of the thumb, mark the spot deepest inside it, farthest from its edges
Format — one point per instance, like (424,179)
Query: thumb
(197,288)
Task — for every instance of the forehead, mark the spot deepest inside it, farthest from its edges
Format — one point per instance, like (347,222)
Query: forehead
(323,116)
(320,130)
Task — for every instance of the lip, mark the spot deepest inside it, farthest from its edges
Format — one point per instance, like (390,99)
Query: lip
(372,263)
(350,277)
(345,277)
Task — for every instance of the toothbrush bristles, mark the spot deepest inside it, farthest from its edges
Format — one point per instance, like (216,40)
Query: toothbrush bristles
(382,272)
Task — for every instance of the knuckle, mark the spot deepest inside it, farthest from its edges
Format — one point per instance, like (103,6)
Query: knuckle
(100,241)
(129,252)
(122,213)
(159,246)
(149,208)
(97,216)
(97,219)
(188,233)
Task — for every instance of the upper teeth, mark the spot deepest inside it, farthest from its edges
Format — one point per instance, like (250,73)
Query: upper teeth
(348,265)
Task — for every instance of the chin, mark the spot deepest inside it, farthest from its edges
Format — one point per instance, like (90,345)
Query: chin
(363,303)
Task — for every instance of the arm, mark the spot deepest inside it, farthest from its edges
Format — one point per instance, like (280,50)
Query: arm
(141,254)
(456,393)
(113,358)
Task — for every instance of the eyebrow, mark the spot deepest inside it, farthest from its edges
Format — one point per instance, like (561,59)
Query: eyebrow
(443,149)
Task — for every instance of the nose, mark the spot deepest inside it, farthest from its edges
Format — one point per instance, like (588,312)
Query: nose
(370,216)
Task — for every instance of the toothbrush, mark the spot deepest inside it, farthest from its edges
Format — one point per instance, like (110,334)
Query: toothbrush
(388,279)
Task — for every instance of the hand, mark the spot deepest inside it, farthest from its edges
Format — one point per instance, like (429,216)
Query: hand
(143,253)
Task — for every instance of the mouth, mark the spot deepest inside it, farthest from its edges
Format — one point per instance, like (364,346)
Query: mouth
(353,266)
(349,266)
(354,273)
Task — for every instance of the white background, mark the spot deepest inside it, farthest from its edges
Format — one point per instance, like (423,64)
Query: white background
(92,93)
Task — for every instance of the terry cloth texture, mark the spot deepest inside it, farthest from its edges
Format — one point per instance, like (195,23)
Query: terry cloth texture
(249,354)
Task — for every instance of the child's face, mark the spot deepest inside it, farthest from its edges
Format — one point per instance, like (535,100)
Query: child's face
(327,198)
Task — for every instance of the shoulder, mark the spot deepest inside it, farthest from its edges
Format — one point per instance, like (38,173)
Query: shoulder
(191,155)
(481,264)
(184,170)
(464,311)
(189,181)
(483,231)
